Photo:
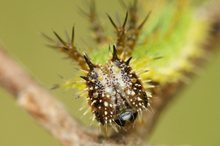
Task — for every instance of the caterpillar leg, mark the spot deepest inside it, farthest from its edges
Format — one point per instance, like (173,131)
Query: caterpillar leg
(68,48)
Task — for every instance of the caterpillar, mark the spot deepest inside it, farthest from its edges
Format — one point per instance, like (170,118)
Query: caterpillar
(150,51)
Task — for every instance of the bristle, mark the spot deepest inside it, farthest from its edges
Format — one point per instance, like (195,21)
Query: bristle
(73,36)
(125,20)
(144,21)
(47,38)
(55,86)
(86,112)
(60,39)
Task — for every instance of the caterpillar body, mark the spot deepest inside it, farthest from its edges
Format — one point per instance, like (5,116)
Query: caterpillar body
(154,50)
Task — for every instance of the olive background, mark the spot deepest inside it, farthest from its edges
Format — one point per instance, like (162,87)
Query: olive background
(192,119)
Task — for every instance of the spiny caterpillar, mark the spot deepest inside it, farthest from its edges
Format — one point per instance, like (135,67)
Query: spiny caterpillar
(116,94)
(118,91)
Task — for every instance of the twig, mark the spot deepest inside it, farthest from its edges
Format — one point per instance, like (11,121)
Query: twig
(40,104)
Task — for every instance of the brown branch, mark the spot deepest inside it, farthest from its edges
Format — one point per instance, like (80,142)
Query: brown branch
(40,104)
(51,114)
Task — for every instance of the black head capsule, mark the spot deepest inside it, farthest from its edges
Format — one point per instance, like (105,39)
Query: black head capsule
(126,118)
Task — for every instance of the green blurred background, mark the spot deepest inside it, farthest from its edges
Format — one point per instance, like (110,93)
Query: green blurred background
(193,119)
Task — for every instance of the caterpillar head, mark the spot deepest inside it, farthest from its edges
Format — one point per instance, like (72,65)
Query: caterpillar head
(126,117)
(116,94)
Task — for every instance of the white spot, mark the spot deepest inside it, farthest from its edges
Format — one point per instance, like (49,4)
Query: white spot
(128,92)
(93,118)
(86,112)
(132,93)
(144,107)
(114,92)
(93,102)
(149,94)
(106,112)
(139,99)
(106,103)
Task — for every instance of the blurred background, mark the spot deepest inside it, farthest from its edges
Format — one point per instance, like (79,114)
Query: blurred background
(193,118)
